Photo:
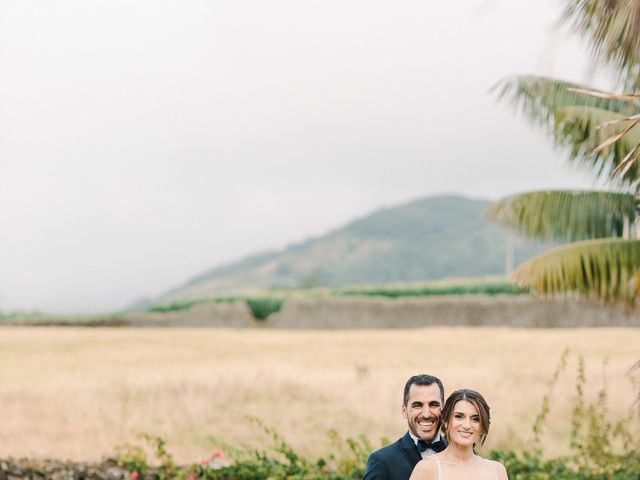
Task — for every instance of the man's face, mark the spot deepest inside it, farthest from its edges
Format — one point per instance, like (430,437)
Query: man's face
(423,411)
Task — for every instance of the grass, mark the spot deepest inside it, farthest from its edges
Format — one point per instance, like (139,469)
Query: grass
(179,305)
(42,319)
(260,307)
(77,393)
(484,288)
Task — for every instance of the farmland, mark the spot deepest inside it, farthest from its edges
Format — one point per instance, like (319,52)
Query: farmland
(77,393)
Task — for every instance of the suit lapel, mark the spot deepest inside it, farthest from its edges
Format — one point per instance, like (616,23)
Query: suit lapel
(410,450)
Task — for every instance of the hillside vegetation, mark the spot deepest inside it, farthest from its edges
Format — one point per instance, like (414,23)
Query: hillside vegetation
(429,239)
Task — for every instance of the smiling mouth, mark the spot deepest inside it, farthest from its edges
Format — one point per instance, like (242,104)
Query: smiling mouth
(426,422)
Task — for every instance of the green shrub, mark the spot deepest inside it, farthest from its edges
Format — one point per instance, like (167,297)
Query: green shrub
(262,307)
(601,448)
(133,458)
(281,461)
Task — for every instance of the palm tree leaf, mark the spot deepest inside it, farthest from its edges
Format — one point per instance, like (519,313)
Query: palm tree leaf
(586,124)
(566,215)
(612,28)
(606,269)
(627,162)
(599,94)
(630,122)
(539,97)
(599,139)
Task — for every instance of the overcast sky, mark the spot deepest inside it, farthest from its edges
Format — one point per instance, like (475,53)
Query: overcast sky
(145,141)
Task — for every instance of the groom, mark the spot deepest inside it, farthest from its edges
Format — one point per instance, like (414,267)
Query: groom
(422,406)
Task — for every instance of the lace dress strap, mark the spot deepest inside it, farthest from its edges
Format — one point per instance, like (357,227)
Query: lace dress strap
(438,466)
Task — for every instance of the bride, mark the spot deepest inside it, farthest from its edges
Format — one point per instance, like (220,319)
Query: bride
(465,423)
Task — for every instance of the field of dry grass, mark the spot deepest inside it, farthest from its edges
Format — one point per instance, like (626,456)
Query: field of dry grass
(77,393)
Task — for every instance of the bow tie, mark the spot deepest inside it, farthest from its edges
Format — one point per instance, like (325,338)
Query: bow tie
(437,446)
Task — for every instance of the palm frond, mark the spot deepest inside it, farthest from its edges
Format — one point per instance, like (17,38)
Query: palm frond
(612,28)
(539,97)
(566,215)
(598,129)
(603,140)
(599,94)
(606,269)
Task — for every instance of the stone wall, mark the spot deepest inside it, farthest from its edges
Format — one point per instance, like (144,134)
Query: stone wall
(471,310)
(231,315)
(15,469)
(377,312)
(406,312)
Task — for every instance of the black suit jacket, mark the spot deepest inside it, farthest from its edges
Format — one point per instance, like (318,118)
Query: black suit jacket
(393,462)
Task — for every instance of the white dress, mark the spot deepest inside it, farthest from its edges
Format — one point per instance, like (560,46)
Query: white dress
(488,464)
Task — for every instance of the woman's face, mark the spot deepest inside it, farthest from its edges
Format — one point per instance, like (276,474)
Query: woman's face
(464,425)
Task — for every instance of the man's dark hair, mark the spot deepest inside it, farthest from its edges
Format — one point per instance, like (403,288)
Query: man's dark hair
(422,379)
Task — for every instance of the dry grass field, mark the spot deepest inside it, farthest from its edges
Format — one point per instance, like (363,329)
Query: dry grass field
(77,393)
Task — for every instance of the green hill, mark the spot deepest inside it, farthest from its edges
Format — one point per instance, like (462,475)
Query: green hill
(429,239)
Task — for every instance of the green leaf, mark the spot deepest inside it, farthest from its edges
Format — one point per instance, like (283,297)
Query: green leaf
(566,215)
(539,97)
(574,120)
(612,28)
(584,130)
(606,269)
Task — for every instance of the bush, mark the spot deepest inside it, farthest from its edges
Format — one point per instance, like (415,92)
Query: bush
(601,448)
(262,307)
(281,461)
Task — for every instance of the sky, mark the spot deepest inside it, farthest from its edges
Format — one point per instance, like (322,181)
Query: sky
(143,142)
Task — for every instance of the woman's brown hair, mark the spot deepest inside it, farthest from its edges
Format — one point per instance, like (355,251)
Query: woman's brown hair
(477,401)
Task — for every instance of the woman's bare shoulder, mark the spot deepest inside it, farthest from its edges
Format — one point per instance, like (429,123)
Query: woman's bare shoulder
(500,470)
(425,470)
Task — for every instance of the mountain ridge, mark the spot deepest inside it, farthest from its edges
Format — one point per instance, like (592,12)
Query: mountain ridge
(426,239)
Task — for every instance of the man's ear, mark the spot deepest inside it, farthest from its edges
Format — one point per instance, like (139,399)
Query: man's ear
(404,411)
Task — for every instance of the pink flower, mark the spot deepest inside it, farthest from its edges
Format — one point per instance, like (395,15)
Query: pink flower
(205,461)
(134,475)
(191,477)
(217,454)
